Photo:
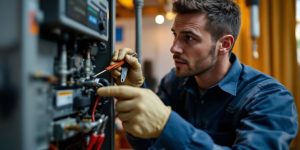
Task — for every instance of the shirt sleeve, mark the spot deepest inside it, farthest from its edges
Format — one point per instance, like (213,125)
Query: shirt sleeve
(138,143)
(180,134)
(177,134)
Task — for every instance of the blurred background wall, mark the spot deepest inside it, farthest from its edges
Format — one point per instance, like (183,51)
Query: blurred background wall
(156,43)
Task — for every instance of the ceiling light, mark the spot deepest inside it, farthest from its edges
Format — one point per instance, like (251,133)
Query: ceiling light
(159,19)
(170,15)
(126,3)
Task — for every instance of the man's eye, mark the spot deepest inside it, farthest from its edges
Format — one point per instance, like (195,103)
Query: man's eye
(188,38)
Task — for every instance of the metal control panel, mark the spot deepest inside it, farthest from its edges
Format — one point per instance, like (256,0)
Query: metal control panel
(86,17)
(48,90)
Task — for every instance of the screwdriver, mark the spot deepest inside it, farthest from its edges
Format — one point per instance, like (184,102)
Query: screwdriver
(113,66)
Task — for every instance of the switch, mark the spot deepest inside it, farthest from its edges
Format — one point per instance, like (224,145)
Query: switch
(102,21)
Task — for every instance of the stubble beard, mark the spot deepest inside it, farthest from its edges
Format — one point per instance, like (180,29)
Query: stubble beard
(198,71)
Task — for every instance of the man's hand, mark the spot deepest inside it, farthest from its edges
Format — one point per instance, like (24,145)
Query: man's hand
(135,75)
(142,112)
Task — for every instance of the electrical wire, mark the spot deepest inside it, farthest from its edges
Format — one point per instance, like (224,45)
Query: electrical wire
(95,108)
(53,147)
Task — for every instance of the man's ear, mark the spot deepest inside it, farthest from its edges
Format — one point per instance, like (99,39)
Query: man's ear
(226,43)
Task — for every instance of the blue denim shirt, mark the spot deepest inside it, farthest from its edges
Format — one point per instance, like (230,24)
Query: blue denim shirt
(263,116)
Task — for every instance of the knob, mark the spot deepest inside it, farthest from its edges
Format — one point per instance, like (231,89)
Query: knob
(102,21)
(101,25)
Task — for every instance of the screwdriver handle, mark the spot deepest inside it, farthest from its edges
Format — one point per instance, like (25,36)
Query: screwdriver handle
(116,65)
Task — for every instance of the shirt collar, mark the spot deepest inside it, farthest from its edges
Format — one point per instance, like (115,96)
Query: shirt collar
(230,81)
(227,84)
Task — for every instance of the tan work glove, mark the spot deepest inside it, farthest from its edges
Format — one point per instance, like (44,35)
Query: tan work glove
(135,75)
(143,114)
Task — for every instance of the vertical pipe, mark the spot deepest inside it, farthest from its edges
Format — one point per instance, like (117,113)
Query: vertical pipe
(111,41)
(138,4)
(255,30)
(28,58)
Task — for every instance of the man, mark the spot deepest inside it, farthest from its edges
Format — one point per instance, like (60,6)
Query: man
(210,100)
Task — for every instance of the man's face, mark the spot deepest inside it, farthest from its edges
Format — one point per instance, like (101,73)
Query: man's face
(194,51)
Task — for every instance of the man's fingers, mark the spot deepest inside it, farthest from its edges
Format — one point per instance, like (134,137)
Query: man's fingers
(120,92)
(132,61)
(125,106)
(116,54)
(127,116)
(116,74)
(119,68)
(124,116)
(132,128)
(123,52)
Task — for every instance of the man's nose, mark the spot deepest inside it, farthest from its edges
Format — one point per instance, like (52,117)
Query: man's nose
(176,48)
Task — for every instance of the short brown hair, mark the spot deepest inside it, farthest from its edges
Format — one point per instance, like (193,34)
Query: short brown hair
(223,15)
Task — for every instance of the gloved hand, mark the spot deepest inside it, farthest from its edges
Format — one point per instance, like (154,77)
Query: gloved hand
(135,75)
(143,114)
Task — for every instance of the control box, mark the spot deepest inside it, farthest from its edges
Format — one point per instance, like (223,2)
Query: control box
(89,18)
(46,74)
